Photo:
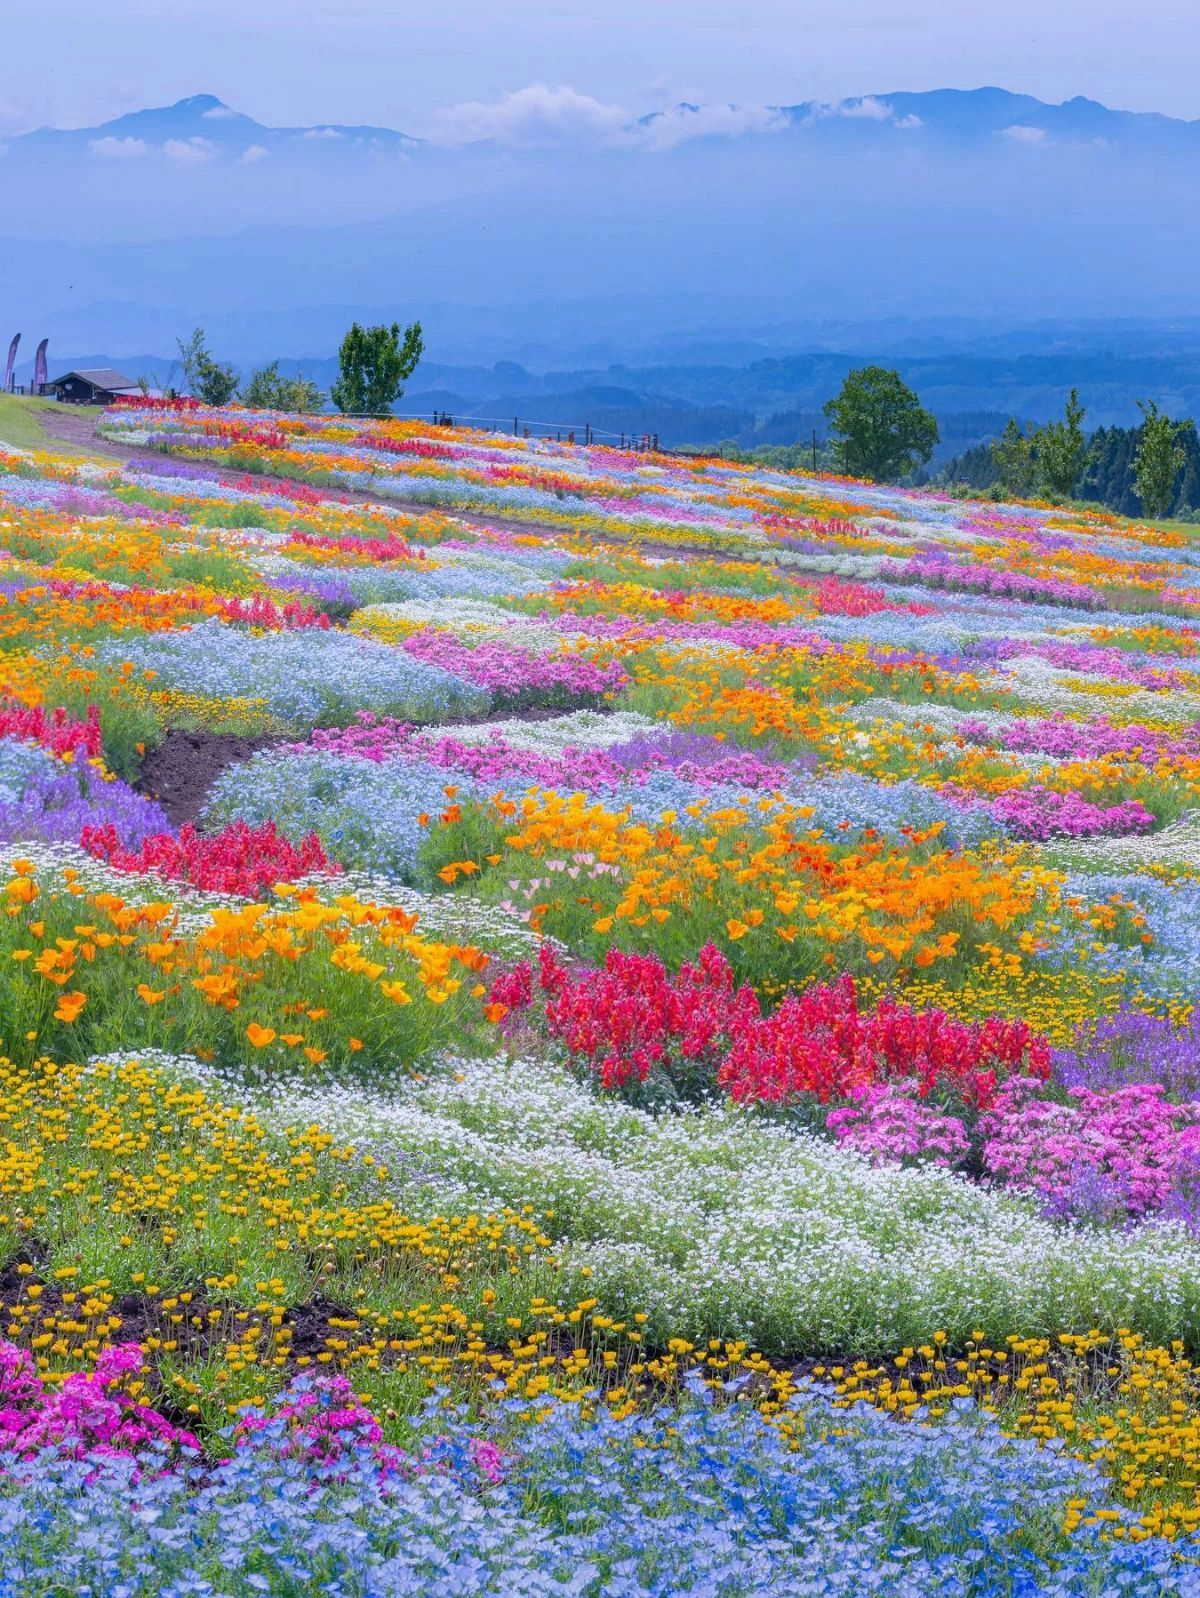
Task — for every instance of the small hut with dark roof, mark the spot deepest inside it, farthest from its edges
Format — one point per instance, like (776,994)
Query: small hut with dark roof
(97,387)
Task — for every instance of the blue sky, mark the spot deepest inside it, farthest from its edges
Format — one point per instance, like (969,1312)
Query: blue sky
(400,63)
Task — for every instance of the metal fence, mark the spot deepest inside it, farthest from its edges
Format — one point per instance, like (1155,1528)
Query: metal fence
(523,427)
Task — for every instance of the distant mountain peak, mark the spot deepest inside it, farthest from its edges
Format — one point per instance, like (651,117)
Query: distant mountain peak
(200,102)
(199,126)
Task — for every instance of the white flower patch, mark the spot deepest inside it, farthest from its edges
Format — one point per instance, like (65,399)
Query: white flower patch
(1050,688)
(474,621)
(941,719)
(861,567)
(582,729)
(1178,844)
(716,1222)
(447,917)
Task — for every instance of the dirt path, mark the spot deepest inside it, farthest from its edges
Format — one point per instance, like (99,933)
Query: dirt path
(76,424)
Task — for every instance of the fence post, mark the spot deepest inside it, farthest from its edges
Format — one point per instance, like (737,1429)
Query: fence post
(516,429)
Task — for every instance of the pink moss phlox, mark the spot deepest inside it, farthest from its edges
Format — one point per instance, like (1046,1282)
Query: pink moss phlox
(88,1415)
(891,1126)
(1133,1135)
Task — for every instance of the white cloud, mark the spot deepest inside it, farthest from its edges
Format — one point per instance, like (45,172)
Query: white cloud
(543,114)
(1020,133)
(536,115)
(112,149)
(189,151)
(868,109)
(322,133)
(253,153)
(219,113)
(683,122)
(15,117)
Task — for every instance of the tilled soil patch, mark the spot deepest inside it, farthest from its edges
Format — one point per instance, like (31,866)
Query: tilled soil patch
(183,768)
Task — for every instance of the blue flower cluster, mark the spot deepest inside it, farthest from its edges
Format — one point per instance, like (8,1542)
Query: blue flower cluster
(842,804)
(846,802)
(380,584)
(699,1500)
(364,813)
(1164,969)
(306,679)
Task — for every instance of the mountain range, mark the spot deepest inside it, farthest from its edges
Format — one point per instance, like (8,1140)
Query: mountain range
(203,126)
(552,229)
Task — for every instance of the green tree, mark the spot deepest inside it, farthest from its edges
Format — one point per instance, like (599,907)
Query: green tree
(375,363)
(884,432)
(207,378)
(268,390)
(1060,447)
(1159,459)
(1013,455)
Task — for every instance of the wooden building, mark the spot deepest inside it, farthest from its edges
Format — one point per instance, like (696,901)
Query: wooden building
(98,387)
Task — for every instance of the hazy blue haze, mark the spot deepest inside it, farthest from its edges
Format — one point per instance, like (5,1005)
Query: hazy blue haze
(566,186)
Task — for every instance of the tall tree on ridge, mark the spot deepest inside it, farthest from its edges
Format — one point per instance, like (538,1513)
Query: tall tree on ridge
(1159,459)
(375,363)
(1060,447)
(884,430)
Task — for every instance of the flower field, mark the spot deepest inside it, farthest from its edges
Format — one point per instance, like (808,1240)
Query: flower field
(587,1022)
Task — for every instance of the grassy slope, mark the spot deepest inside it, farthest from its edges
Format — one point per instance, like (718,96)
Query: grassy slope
(21,426)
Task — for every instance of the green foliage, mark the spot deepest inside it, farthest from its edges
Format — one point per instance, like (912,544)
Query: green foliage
(207,378)
(1106,474)
(128,727)
(1060,447)
(1159,460)
(883,428)
(268,390)
(375,363)
(1015,459)
(796,457)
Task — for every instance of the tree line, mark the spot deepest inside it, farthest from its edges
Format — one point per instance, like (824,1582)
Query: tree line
(1152,469)
(374,363)
(880,430)
(883,432)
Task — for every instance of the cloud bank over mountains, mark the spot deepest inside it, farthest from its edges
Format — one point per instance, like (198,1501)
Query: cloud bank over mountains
(543,115)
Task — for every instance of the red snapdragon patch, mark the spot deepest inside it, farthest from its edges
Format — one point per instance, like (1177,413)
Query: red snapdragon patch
(240,859)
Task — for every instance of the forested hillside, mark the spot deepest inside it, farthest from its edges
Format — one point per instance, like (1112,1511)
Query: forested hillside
(1106,476)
